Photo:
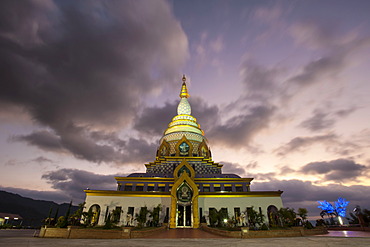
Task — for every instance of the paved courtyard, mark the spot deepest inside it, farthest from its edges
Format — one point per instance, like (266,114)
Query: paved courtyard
(23,238)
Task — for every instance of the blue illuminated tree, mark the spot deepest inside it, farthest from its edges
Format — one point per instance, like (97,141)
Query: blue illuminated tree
(326,207)
(340,206)
(338,210)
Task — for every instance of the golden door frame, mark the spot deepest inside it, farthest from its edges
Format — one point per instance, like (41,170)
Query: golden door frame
(194,200)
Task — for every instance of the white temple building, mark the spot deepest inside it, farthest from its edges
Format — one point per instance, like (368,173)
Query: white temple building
(183,180)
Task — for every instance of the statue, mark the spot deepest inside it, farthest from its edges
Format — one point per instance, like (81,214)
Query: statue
(163,151)
(207,219)
(184,148)
(128,220)
(204,152)
(185,193)
(242,218)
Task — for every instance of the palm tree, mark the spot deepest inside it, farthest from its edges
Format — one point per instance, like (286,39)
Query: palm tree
(302,212)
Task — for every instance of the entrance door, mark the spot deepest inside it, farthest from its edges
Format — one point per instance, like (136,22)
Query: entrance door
(184,216)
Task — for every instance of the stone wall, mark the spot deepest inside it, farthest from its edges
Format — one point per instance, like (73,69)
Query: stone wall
(246,233)
(272,233)
(293,232)
(73,232)
(126,232)
(229,234)
(54,232)
(95,233)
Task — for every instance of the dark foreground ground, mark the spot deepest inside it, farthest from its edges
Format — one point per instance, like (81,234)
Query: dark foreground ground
(24,238)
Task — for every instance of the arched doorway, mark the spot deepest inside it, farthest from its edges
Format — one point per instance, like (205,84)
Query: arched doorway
(184,198)
(273,216)
(94,213)
(184,216)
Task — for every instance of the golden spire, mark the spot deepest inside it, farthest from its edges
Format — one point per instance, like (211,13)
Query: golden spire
(184,89)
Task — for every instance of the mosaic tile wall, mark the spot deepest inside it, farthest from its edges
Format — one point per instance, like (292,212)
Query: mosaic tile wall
(171,166)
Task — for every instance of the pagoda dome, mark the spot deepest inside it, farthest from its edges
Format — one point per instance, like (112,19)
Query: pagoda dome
(183,136)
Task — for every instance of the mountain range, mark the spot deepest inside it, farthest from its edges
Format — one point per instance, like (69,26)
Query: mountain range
(32,211)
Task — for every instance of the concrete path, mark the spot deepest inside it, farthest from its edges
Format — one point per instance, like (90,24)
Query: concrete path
(347,234)
(228,242)
(183,233)
(23,238)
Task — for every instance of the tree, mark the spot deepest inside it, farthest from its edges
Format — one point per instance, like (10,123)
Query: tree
(302,212)
(61,222)
(222,216)
(77,216)
(155,215)
(361,217)
(213,217)
(255,218)
(56,216)
(116,215)
(108,222)
(340,206)
(288,216)
(141,217)
(338,210)
(64,220)
(353,219)
(48,219)
(87,217)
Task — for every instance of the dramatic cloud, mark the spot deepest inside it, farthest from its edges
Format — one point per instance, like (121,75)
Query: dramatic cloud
(331,142)
(340,170)
(233,168)
(260,82)
(154,120)
(208,116)
(339,50)
(305,194)
(319,121)
(325,118)
(42,161)
(299,143)
(320,69)
(94,146)
(45,140)
(79,67)
(72,182)
(239,130)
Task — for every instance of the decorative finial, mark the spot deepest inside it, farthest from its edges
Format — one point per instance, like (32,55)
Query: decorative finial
(184,89)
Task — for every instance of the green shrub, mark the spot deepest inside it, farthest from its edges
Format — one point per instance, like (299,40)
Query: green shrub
(308,225)
(108,223)
(264,227)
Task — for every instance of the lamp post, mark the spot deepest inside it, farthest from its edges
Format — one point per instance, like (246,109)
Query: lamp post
(357,211)
(6,220)
(15,221)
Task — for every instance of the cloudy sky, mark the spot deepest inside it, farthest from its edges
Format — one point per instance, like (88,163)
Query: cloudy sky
(280,88)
